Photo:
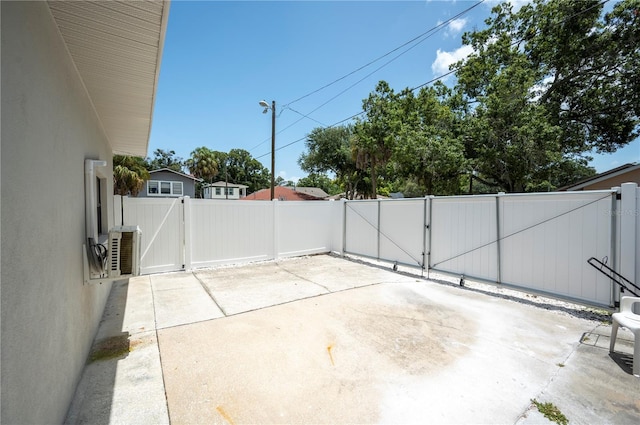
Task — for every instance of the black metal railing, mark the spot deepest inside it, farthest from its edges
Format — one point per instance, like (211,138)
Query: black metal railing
(623,282)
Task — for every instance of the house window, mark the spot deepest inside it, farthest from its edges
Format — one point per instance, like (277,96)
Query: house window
(218,191)
(164,188)
(229,191)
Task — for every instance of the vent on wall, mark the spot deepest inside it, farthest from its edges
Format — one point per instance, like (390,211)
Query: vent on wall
(124,251)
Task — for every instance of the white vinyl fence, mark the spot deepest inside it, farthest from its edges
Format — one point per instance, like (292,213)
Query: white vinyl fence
(535,242)
(185,233)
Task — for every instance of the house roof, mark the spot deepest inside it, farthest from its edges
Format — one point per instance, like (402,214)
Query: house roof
(313,191)
(626,168)
(117,49)
(176,172)
(281,193)
(226,184)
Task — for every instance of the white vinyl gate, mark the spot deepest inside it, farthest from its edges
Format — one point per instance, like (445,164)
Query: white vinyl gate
(534,242)
(185,233)
(162,224)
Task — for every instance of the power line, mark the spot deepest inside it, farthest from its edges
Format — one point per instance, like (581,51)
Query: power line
(305,136)
(429,33)
(305,116)
(431,30)
(412,89)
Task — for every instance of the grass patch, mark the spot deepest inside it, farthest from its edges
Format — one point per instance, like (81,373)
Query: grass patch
(551,412)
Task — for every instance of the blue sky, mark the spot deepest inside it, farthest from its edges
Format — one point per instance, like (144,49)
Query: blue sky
(221,58)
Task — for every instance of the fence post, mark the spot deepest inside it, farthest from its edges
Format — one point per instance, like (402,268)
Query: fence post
(344,227)
(498,236)
(628,216)
(378,229)
(430,229)
(186,232)
(276,228)
(426,228)
(614,244)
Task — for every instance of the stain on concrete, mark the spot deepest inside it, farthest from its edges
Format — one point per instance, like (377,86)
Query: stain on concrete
(225,415)
(115,347)
(415,334)
(329,348)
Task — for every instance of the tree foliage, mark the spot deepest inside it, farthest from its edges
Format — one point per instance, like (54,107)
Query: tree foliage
(203,164)
(550,83)
(321,181)
(376,135)
(429,153)
(329,151)
(165,159)
(242,168)
(129,175)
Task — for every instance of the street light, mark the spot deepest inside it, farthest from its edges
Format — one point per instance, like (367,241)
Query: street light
(266,107)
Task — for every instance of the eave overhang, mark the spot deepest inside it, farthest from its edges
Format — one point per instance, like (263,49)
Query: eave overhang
(117,49)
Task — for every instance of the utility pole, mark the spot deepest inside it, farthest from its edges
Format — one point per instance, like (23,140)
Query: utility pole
(273,147)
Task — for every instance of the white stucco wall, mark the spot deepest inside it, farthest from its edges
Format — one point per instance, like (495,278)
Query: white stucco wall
(49,127)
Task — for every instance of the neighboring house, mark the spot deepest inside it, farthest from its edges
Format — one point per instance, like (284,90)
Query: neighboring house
(627,173)
(313,191)
(167,183)
(78,83)
(224,190)
(281,193)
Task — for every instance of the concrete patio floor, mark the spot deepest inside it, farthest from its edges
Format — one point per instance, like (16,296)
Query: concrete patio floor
(326,340)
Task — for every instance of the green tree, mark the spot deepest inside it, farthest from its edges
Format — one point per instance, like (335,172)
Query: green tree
(203,164)
(549,83)
(328,150)
(321,181)
(129,175)
(165,159)
(242,168)
(429,152)
(376,135)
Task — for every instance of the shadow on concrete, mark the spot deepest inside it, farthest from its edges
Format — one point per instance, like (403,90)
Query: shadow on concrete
(624,361)
(93,399)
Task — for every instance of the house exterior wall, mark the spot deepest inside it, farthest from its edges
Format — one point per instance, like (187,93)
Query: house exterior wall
(615,181)
(188,185)
(235,192)
(49,127)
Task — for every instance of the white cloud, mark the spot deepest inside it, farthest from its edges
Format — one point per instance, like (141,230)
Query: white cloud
(283,174)
(456,26)
(444,59)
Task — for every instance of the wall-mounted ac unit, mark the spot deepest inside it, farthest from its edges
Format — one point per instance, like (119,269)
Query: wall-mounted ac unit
(124,252)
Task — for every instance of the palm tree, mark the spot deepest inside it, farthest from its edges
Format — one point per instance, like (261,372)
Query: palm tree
(129,175)
(203,164)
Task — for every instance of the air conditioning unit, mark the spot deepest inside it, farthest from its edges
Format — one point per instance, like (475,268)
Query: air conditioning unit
(124,252)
